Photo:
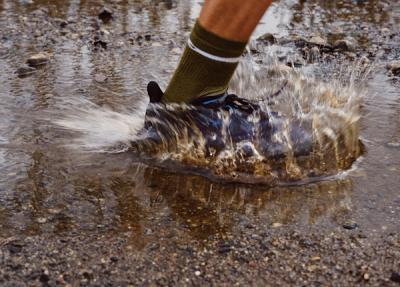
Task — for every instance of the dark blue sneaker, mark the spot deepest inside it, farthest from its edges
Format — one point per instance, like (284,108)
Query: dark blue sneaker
(219,121)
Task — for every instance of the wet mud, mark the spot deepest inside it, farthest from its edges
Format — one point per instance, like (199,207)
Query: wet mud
(95,219)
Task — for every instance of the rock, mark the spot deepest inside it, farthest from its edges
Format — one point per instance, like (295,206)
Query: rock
(364,60)
(41,220)
(395,277)
(197,273)
(39,59)
(100,78)
(105,15)
(15,247)
(319,41)
(299,41)
(267,38)
(350,225)
(394,67)
(344,46)
(224,248)
(277,225)
(61,22)
(44,278)
(100,43)
(25,71)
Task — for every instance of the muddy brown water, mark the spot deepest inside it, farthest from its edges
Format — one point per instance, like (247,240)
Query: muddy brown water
(46,188)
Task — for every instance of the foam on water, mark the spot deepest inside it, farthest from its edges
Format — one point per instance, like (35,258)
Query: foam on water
(330,103)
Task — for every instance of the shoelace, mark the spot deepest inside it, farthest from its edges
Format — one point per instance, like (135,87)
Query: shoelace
(226,102)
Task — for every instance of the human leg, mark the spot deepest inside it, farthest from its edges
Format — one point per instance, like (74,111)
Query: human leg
(216,43)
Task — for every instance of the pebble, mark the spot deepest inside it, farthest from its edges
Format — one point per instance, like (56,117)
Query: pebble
(105,15)
(41,220)
(197,273)
(394,67)
(39,59)
(395,277)
(25,71)
(344,45)
(267,38)
(317,40)
(15,247)
(224,248)
(61,22)
(350,225)
(277,225)
(100,78)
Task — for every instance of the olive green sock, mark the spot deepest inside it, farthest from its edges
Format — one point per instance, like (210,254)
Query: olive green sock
(206,67)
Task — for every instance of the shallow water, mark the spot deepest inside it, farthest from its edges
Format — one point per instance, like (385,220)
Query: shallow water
(47,187)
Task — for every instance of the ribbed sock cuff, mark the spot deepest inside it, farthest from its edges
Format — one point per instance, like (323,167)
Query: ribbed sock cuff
(214,44)
(206,67)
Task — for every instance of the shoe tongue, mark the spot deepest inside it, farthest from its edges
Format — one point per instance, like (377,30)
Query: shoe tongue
(154,92)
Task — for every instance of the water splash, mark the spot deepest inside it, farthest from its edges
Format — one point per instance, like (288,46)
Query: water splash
(327,107)
(99,129)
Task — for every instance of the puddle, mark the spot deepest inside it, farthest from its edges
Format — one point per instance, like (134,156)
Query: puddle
(48,188)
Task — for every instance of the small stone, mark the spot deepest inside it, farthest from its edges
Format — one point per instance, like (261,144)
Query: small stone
(15,247)
(197,273)
(44,278)
(61,22)
(350,225)
(312,268)
(41,220)
(267,38)
(364,60)
(344,45)
(100,78)
(104,32)
(105,15)
(394,67)
(395,277)
(277,225)
(224,248)
(25,71)
(366,276)
(100,43)
(317,40)
(39,59)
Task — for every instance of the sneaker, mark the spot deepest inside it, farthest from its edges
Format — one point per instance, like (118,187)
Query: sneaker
(216,121)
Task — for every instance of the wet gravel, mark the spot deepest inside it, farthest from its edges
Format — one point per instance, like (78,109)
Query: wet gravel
(256,257)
